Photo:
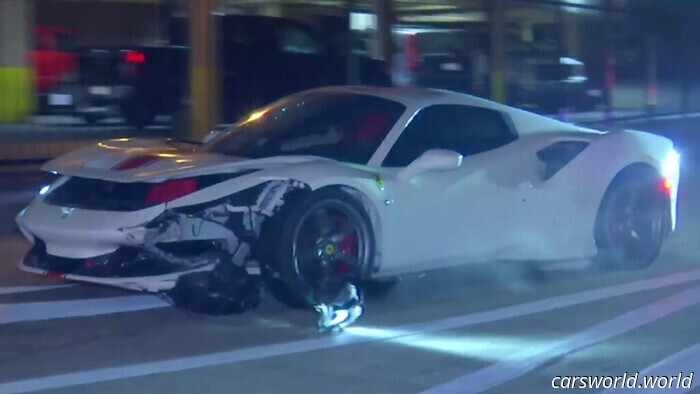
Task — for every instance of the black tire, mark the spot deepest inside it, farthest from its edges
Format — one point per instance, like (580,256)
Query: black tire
(225,290)
(282,292)
(378,288)
(293,281)
(633,221)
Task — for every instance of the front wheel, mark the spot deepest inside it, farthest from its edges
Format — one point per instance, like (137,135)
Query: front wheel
(633,221)
(319,244)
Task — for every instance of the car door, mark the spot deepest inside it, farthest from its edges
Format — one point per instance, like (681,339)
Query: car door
(442,218)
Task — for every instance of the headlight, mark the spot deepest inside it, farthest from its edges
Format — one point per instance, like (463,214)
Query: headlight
(47,180)
(671,166)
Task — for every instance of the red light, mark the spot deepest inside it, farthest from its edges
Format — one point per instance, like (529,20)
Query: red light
(168,191)
(666,186)
(135,57)
(412,53)
(345,269)
(135,162)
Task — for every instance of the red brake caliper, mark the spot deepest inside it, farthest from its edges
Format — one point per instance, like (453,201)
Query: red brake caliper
(348,246)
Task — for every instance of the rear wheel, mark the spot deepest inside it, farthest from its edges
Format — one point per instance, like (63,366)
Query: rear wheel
(632,223)
(319,245)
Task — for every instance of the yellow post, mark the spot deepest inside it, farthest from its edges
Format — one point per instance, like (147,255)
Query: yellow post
(497,24)
(203,75)
(17,94)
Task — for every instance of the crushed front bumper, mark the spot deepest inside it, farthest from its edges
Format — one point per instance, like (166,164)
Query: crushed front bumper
(117,269)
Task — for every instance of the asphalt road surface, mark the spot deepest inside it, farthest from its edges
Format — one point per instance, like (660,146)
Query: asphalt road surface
(509,328)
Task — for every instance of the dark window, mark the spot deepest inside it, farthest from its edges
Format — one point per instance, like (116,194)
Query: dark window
(245,32)
(443,42)
(292,39)
(464,129)
(340,126)
(65,43)
(558,72)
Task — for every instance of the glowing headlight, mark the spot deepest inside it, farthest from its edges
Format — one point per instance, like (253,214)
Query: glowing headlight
(44,189)
(671,165)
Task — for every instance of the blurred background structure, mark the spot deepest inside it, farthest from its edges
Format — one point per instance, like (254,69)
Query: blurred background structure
(74,71)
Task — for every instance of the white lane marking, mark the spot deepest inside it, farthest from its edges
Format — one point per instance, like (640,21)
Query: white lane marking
(18,197)
(683,361)
(528,360)
(306,345)
(27,289)
(558,302)
(33,311)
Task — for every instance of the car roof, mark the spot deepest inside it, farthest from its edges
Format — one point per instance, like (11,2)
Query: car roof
(416,98)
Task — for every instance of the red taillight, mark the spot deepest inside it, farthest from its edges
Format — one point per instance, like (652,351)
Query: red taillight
(412,53)
(135,57)
(55,275)
(135,162)
(171,190)
(666,186)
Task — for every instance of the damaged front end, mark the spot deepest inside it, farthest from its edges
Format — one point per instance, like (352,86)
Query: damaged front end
(81,217)
(203,257)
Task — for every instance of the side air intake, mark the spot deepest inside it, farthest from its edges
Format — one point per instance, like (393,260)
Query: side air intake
(558,155)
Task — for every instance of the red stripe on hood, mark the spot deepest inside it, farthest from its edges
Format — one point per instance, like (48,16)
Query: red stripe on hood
(135,162)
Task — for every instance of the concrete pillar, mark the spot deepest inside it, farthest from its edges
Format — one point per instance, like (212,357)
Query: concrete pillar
(652,90)
(610,62)
(17,94)
(385,19)
(572,35)
(497,29)
(352,76)
(687,64)
(203,72)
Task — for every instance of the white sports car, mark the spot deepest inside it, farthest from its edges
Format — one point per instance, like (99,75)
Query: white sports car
(349,184)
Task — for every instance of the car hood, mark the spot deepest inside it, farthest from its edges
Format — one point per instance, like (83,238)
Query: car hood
(155,161)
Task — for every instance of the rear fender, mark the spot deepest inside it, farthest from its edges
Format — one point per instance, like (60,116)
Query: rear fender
(585,179)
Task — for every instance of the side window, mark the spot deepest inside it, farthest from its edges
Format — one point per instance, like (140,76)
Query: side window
(464,129)
(427,130)
(236,33)
(292,39)
(65,43)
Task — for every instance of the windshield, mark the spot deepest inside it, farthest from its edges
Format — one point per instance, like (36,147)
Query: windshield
(340,126)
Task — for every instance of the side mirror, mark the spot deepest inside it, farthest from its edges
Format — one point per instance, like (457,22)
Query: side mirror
(212,135)
(432,160)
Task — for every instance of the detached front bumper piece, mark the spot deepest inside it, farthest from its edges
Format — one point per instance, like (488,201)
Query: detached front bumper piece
(124,268)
